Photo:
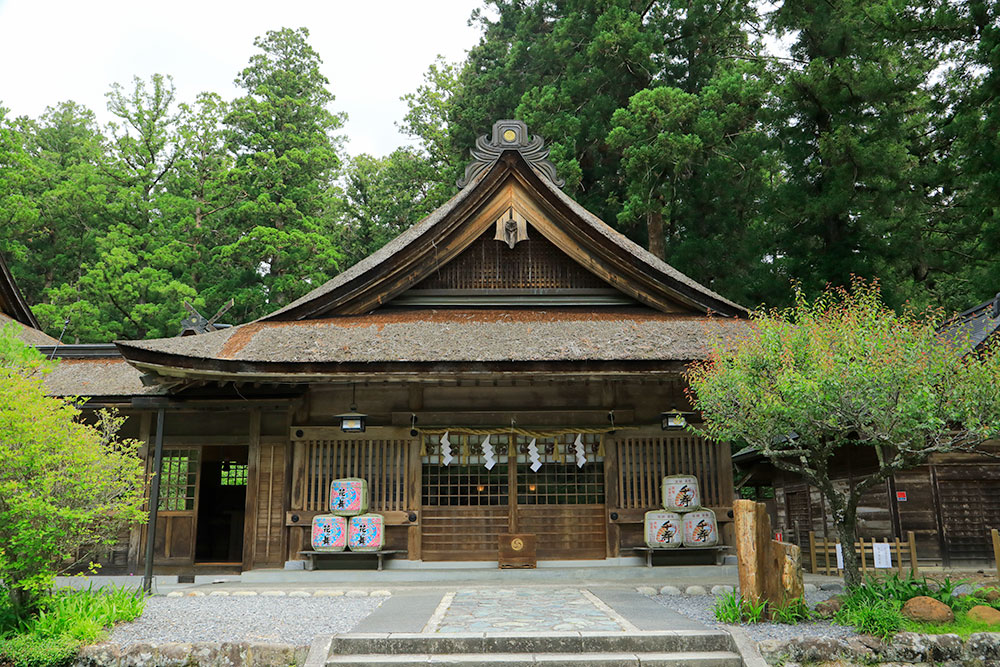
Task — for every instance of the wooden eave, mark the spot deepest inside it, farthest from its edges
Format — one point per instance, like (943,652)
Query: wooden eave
(470,215)
(222,370)
(11,300)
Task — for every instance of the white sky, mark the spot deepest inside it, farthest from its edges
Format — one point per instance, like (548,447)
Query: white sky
(373,52)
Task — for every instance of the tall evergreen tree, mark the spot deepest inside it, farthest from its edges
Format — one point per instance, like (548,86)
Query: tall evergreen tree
(282,134)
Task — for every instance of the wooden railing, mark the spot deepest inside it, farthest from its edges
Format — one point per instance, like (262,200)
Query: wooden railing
(823,554)
(643,462)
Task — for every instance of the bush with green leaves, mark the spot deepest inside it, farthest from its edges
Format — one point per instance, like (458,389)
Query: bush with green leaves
(64,620)
(880,617)
(65,485)
(731,608)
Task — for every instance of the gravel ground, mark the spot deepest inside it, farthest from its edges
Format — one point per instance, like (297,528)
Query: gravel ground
(699,608)
(228,619)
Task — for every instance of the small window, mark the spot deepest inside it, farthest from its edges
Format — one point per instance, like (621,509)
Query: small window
(233,474)
(178,480)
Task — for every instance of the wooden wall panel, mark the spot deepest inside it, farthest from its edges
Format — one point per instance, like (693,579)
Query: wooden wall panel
(565,532)
(643,462)
(270,511)
(462,533)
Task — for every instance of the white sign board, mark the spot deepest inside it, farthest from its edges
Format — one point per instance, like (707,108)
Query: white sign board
(840,558)
(883,554)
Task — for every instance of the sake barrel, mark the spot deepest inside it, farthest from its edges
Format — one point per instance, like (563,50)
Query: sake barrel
(662,529)
(700,529)
(348,496)
(366,532)
(680,493)
(329,533)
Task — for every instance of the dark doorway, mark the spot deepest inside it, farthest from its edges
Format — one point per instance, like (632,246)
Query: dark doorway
(222,504)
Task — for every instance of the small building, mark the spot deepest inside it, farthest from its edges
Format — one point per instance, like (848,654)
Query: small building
(950,503)
(510,315)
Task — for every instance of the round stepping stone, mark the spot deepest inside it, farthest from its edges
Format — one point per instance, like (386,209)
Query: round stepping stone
(175,594)
(244,594)
(219,594)
(646,590)
(357,594)
(832,586)
(328,594)
(273,594)
(722,589)
(195,594)
(670,590)
(299,594)
(809,588)
(696,590)
(380,594)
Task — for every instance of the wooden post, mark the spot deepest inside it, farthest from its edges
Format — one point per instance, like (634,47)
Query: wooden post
(826,554)
(899,557)
(864,564)
(812,551)
(769,570)
(995,535)
(914,568)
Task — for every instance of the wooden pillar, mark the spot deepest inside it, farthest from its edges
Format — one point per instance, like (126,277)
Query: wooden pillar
(611,499)
(250,506)
(137,533)
(413,499)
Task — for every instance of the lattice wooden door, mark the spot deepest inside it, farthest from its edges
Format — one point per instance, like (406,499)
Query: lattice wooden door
(970,507)
(466,507)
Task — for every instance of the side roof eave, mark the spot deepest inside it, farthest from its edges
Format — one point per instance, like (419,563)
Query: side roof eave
(12,300)
(415,253)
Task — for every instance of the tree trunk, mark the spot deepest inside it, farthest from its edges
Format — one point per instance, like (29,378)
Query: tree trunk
(654,228)
(846,525)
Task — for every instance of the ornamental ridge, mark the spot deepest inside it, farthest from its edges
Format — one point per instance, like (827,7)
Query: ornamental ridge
(510,135)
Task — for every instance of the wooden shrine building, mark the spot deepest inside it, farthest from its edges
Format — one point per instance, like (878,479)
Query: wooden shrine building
(510,313)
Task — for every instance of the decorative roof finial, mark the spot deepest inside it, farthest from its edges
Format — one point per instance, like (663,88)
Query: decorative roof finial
(510,135)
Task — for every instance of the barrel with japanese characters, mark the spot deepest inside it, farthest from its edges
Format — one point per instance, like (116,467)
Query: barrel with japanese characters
(366,532)
(662,529)
(329,533)
(348,496)
(700,529)
(680,493)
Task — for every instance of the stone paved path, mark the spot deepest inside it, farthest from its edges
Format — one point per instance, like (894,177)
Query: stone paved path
(524,610)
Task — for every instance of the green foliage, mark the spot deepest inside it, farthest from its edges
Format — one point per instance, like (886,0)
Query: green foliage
(33,651)
(65,620)
(878,616)
(812,382)
(66,486)
(794,612)
(733,609)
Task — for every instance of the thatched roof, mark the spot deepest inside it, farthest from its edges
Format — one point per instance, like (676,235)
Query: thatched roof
(458,336)
(105,377)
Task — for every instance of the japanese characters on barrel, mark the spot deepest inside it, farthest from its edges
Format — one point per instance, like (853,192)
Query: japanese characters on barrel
(348,525)
(682,521)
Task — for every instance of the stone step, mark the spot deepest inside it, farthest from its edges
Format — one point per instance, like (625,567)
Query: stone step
(398,643)
(562,659)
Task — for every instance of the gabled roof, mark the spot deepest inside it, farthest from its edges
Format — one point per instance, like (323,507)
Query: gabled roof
(13,308)
(423,248)
(974,326)
(663,320)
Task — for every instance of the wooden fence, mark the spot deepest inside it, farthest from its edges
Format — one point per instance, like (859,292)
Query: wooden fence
(823,554)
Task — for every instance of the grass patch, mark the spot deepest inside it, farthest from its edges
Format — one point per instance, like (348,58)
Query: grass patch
(962,626)
(65,621)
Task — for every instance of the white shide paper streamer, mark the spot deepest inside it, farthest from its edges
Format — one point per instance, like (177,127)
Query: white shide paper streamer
(581,451)
(488,454)
(446,456)
(536,462)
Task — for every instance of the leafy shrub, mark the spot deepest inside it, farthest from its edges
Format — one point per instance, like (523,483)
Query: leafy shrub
(65,484)
(793,613)
(879,617)
(63,621)
(728,608)
(731,608)
(34,651)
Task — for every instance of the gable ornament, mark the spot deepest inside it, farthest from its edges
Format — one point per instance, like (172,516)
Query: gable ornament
(511,228)
(510,135)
